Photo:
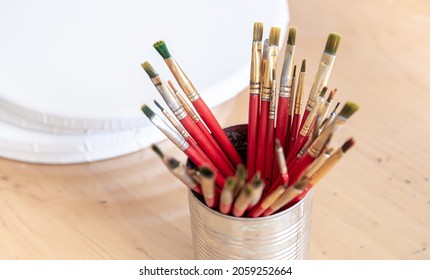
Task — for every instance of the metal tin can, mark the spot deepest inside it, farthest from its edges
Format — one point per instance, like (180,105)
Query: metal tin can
(285,235)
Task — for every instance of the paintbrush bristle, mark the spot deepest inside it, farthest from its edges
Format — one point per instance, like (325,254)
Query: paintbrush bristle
(149,69)
(331,95)
(323,92)
(347,145)
(159,105)
(241,172)
(230,183)
(332,44)
(294,70)
(292,36)
(303,68)
(348,110)
(173,163)
(172,86)
(206,172)
(277,144)
(258,31)
(157,150)
(147,111)
(161,48)
(275,33)
(336,107)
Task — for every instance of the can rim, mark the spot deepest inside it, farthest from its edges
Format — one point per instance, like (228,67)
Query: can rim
(191,193)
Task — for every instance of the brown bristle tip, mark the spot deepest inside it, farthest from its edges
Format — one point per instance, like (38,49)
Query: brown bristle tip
(337,106)
(294,70)
(206,172)
(323,91)
(348,144)
(292,36)
(303,67)
(331,95)
(258,31)
(157,150)
(275,33)
(348,109)
(332,44)
(172,86)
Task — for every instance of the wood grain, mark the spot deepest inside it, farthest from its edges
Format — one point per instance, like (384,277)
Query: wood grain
(374,205)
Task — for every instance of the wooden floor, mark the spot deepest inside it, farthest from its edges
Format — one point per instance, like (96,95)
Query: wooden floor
(374,205)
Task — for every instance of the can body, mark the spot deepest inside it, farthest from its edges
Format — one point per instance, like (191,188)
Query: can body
(285,235)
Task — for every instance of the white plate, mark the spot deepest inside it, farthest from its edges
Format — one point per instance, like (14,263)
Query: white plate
(74,66)
(31,146)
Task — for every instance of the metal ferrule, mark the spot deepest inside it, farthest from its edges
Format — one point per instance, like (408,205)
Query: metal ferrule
(298,104)
(169,97)
(310,119)
(272,106)
(287,72)
(326,167)
(182,79)
(187,107)
(176,124)
(173,135)
(255,79)
(319,143)
(321,78)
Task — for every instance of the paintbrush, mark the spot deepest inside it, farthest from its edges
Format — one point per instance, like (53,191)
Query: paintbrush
(198,103)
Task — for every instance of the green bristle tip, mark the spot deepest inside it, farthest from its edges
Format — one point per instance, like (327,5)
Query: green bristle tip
(157,150)
(332,44)
(149,69)
(348,109)
(147,111)
(292,36)
(206,172)
(161,48)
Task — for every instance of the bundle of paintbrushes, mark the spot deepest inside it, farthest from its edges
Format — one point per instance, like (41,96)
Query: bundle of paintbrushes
(288,148)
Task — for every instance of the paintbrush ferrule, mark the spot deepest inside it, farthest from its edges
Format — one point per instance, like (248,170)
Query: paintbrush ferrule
(287,72)
(272,105)
(311,118)
(255,79)
(174,136)
(182,79)
(321,78)
(176,124)
(169,97)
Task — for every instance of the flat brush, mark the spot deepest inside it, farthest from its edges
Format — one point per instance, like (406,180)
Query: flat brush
(183,117)
(266,94)
(246,195)
(198,103)
(178,169)
(254,96)
(324,71)
(181,143)
(285,89)
(195,117)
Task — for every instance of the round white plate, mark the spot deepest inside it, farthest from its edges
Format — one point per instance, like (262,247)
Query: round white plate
(31,146)
(74,66)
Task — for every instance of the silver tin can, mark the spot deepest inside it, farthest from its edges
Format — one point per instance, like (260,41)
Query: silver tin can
(285,235)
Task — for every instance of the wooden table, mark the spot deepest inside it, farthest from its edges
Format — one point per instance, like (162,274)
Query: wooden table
(374,205)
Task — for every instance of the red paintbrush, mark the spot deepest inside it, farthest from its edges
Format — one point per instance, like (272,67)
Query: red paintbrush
(198,103)
(182,144)
(186,120)
(254,98)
